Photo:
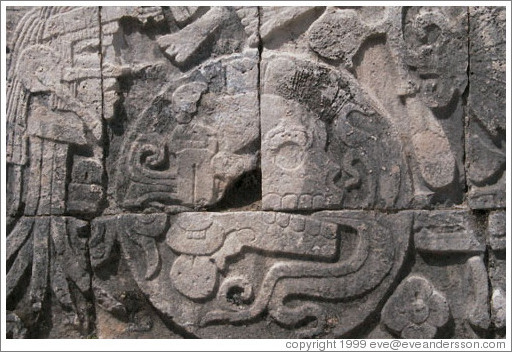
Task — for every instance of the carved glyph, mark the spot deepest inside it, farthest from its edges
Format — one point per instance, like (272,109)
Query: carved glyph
(266,172)
(416,310)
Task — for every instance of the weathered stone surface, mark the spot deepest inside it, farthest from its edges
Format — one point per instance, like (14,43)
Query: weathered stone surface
(447,232)
(208,272)
(179,137)
(486,144)
(462,278)
(14,327)
(479,310)
(184,149)
(497,231)
(52,73)
(319,127)
(50,253)
(416,310)
(498,284)
(122,310)
(386,86)
(265,172)
(498,308)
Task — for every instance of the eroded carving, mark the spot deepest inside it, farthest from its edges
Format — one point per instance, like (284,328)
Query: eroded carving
(486,129)
(206,263)
(416,310)
(54,120)
(183,149)
(430,33)
(136,138)
(52,252)
(497,231)
(49,111)
(447,232)
(420,84)
(320,127)
(479,310)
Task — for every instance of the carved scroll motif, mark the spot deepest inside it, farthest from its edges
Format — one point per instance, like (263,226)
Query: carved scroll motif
(319,257)
(266,172)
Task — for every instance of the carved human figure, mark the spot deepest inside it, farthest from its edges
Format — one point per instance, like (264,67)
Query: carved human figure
(54,158)
(57,119)
(128,126)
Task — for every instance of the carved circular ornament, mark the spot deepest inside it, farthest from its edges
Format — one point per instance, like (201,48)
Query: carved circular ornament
(416,309)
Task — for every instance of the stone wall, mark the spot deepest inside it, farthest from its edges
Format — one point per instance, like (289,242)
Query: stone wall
(263,172)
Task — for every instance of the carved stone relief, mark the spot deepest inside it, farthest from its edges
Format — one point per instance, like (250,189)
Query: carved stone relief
(416,310)
(263,172)
(486,144)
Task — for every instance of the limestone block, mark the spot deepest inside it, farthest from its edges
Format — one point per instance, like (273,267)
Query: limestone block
(497,267)
(416,309)
(370,79)
(52,251)
(447,232)
(210,272)
(320,128)
(497,230)
(486,117)
(255,171)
